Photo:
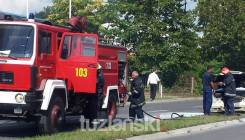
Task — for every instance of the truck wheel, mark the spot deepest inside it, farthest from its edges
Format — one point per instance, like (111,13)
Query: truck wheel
(53,120)
(107,116)
(112,110)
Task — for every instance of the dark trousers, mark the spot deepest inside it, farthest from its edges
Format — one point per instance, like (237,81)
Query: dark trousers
(207,102)
(229,105)
(135,111)
(153,91)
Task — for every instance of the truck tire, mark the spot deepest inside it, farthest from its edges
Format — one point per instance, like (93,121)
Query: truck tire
(106,116)
(112,110)
(110,113)
(53,119)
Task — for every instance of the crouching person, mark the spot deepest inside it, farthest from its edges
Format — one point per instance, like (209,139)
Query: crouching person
(137,98)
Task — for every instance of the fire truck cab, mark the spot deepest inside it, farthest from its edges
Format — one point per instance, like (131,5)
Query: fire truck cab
(48,72)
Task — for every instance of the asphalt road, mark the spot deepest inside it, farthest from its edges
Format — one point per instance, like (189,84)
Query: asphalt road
(164,107)
(15,130)
(227,133)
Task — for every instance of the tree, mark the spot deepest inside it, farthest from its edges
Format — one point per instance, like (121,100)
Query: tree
(44,13)
(58,13)
(160,31)
(222,23)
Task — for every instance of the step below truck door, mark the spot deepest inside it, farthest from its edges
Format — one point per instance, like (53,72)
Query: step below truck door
(77,61)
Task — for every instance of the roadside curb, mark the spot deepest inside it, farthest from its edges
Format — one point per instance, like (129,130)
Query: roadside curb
(188,130)
(174,100)
(171,100)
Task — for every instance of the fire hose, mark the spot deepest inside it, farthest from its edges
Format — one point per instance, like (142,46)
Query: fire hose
(158,118)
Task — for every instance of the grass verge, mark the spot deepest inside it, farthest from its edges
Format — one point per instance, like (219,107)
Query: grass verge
(165,125)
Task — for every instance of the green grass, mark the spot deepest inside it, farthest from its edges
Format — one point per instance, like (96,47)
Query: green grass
(187,122)
(165,125)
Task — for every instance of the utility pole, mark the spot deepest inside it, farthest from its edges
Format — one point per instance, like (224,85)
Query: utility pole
(69,8)
(185,5)
(27,9)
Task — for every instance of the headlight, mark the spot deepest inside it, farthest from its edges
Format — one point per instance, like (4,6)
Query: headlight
(19,98)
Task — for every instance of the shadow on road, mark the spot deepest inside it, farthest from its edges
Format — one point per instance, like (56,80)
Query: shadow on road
(20,129)
(15,130)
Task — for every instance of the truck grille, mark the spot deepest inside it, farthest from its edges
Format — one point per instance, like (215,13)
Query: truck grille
(6,77)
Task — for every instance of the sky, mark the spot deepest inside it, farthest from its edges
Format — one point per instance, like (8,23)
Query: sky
(191,4)
(19,6)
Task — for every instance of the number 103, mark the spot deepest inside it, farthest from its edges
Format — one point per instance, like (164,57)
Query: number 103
(81,72)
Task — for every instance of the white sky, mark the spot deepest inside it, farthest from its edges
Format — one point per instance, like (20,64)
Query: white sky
(191,4)
(19,6)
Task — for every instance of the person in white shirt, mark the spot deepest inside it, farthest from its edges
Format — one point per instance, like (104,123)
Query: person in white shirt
(153,80)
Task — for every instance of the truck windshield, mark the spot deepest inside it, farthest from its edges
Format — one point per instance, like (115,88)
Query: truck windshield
(16,41)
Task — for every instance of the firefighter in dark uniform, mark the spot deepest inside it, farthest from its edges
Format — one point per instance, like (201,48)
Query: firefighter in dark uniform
(100,85)
(93,110)
(137,98)
(229,86)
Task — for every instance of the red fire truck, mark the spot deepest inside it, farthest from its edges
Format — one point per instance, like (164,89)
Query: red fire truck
(48,72)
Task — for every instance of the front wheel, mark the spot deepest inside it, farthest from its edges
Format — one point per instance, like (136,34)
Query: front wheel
(53,119)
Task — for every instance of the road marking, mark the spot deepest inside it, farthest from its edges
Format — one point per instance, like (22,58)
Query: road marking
(153,111)
(6,121)
(197,106)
